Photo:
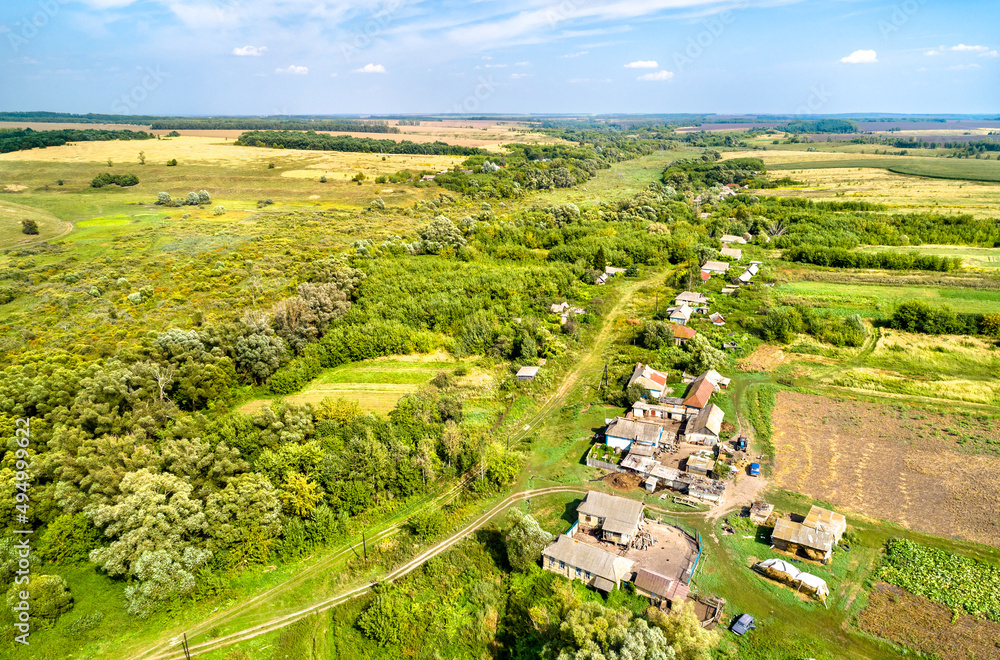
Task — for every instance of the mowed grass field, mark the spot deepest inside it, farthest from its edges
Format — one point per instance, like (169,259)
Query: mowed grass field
(878,301)
(11,215)
(830,176)
(376,385)
(972,257)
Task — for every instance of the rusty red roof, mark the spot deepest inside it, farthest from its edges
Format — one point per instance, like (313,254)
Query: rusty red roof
(699,394)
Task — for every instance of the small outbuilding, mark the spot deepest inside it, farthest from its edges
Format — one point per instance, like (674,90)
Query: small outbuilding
(527,373)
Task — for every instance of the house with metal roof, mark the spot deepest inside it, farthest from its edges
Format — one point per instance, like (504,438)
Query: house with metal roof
(826,521)
(729,238)
(716,266)
(693,298)
(698,394)
(527,373)
(580,561)
(680,315)
(682,333)
(622,432)
(649,379)
(732,253)
(618,518)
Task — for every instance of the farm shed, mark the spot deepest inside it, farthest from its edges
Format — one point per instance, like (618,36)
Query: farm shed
(617,517)
(732,253)
(659,588)
(649,379)
(704,428)
(670,407)
(580,561)
(729,238)
(621,433)
(795,537)
(827,521)
(527,373)
(700,464)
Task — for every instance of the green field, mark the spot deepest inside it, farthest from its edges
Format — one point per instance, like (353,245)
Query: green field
(972,257)
(936,168)
(376,385)
(878,301)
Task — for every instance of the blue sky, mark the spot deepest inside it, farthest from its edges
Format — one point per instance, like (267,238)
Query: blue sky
(479,56)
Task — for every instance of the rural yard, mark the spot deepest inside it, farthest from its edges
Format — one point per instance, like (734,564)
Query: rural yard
(889,462)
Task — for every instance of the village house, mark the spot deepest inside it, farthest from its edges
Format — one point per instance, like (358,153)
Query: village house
(559,308)
(621,433)
(667,408)
(719,382)
(815,537)
(680,315)
(701,464)
(698,394)
(717,319)
(732,253)
(715,266)
(704,428)
(649,379)
(580,561)
(729,238)
(693,298)
(682,333)
(618,518)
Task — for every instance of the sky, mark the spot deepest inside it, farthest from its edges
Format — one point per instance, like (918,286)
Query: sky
(273,57)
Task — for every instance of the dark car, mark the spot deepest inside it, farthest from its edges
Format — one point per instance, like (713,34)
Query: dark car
(741,443)
(743,624)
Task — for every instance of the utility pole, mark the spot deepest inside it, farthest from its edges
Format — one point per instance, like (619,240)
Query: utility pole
(187,651)
(364,543)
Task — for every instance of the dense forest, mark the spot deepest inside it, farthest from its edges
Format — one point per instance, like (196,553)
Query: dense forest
(322,142)
(17,140)
(274,123)
(821,126)
(843,258)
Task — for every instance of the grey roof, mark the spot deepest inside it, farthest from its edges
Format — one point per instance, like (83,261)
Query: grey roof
(585,557)
(619,526)
(660,585)
(602,584)
(690,297)
(708,419)
(716,266)
(799,534)
(630,429)
(610,507)
(641,450)
(527,371)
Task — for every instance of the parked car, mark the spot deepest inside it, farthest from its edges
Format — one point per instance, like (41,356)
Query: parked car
(741,443)
(743,624)
(755,469)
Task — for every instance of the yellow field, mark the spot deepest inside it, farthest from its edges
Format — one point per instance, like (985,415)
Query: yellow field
(901,192)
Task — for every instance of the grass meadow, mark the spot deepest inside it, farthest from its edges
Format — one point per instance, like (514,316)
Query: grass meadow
(972,257)
(876,301)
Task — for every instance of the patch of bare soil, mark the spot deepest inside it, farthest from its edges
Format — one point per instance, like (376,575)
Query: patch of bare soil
(925,626)
(892,463)
(14,187)
(623,482)
(765,358)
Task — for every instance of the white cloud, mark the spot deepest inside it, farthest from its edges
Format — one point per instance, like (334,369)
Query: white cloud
(966,49)
(659,75)
(522,63)
(371,68)
(989,53)
(642,64)
(933,52)
(860,57)
(495,66)
(294,70)
(518,76)
(250,51)
(577,54)
(487,57)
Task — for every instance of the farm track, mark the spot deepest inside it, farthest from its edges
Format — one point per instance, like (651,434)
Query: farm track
(445,545)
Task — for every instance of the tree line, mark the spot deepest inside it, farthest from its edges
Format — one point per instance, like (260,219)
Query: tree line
(844,258)
(322,142)
(18,140)
(920,316)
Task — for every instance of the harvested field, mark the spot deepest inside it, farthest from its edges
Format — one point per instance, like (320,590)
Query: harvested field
(929,472)
(925,626)
(765,358)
